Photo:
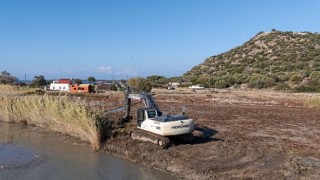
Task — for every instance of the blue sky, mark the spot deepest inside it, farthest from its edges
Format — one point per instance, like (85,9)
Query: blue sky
(130,38)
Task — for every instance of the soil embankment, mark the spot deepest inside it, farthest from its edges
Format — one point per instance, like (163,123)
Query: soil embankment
(238,135)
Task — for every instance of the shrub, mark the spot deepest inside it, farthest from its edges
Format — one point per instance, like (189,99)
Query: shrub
(203,80)
(38,81)
(296,79)
(305,88)
(260,82)
(311,86)
(229,80)
(140,83)
(282,87)
(315,75)
(220,84)
(7,79)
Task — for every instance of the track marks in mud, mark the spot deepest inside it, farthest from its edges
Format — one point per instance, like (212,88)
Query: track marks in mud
(229,159)
(223,159)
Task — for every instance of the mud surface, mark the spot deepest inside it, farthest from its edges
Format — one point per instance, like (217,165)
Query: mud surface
(238,135)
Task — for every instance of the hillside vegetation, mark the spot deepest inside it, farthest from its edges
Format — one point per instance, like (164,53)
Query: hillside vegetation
(270,59)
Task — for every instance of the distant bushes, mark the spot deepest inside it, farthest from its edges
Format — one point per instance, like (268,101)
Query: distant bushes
(140,83)
(260,82)
(312,86)
(282,87)
(296,79)
(7,78)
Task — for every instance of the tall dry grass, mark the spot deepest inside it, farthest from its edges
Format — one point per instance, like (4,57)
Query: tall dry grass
(15,90)
(59,113)
(312,102)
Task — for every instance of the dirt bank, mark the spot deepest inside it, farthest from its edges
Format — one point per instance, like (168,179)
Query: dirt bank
(260,135)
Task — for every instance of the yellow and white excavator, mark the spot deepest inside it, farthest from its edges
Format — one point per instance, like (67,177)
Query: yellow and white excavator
(152,125)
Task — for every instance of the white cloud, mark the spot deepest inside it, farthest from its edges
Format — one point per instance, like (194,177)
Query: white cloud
(105,69)
(128,72)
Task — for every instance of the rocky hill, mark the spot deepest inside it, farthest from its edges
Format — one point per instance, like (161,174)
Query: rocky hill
(271,58)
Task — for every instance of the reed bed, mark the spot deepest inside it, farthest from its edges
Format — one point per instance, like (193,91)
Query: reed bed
(15,90)
(59,113)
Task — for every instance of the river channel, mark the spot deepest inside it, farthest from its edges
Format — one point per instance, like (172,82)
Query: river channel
(35,153)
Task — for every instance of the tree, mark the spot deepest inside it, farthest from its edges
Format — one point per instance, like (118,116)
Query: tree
(6,78)
(91,79)
(78,81)
(157,81)
(140,83)
(203,80)
(38,81)
(5,73)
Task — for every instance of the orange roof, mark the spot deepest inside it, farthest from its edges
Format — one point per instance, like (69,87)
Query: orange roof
(64,81)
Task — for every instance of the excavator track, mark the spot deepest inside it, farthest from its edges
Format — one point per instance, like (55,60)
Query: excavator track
(161,141)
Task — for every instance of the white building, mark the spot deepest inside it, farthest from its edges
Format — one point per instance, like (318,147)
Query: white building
(196,87)
(61,85)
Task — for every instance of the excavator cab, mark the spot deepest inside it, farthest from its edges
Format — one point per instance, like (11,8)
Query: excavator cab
(140,117)
(146,113)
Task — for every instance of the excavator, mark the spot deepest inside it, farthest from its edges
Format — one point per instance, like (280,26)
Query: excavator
(152,125)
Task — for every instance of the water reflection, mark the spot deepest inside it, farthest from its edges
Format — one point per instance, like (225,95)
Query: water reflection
(8,132)
(56,156)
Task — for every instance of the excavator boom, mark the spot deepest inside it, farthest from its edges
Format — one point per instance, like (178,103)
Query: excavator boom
(147,99)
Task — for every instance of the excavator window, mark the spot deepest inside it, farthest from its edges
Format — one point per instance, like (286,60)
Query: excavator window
(151,114)
(140,117)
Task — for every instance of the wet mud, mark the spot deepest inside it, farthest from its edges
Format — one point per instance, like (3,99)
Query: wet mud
(270,138)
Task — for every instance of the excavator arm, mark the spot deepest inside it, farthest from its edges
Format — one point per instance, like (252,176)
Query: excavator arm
(147,99)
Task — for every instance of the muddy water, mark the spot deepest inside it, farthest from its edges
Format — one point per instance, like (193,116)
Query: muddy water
(34,153)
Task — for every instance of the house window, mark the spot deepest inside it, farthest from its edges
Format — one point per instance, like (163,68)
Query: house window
(82,88)
(60,87)
(74,88)
(64,88)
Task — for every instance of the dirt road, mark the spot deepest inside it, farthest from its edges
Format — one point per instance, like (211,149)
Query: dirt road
(239,134)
